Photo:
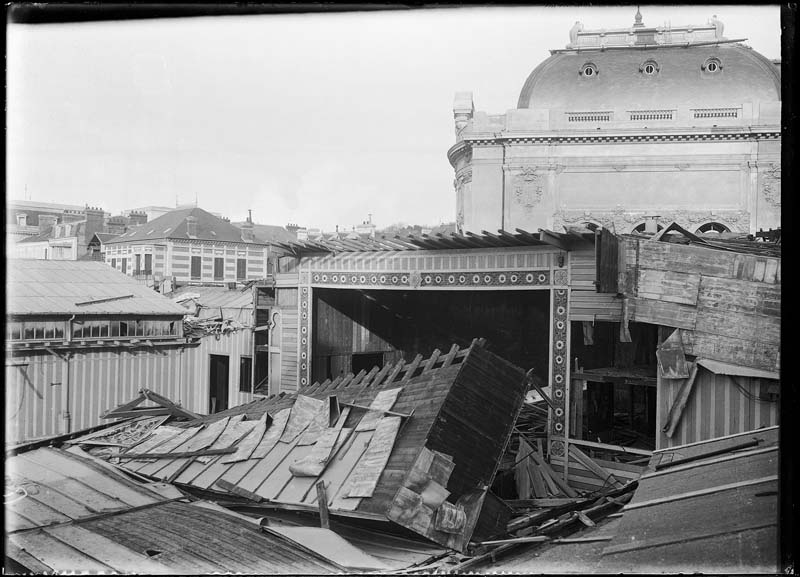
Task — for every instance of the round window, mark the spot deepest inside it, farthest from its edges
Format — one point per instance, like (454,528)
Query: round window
(589,70)
(649,69)
(712,66)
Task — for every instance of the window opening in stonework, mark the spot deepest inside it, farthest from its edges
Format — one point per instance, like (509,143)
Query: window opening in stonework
(712,227)
(589,70)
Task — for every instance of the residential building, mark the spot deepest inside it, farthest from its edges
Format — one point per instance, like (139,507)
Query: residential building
(22,217)
(191,245)
(679,122)
(80,338)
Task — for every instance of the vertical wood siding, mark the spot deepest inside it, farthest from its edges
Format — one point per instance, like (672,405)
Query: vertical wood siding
(234,345)
(716,408)
(98,381)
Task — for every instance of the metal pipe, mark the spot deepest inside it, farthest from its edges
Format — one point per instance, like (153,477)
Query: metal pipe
(67,415)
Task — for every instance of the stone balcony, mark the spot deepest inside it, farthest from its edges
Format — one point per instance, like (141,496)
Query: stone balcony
(700,116)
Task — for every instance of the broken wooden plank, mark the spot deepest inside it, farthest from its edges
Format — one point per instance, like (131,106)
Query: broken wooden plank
(676,411)
(386,413)
(412,368)
(272,434)
(178,455)
(546,470)
(532,383)
(236,490)
(707,454)
(589,463)
(532,539)
(322,502)
(249,444)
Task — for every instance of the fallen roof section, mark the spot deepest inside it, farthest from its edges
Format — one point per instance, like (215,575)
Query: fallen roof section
(67,512)
(416,444)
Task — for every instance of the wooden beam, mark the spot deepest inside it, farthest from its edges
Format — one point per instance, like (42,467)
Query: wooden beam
(201,453)
(529,379)
(606,447)
(548,237)
(569,491)
(589,463)
(391,413)
(701,492)
(676,462)
(322,501)
(676,411)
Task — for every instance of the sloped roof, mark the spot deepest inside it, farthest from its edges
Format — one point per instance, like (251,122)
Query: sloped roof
(58,520)
(421,416)
(52,287)
(271,232)
(214,297)
(172,225)
(556,83)
(103,237)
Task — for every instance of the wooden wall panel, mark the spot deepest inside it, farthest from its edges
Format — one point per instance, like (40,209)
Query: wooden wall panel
(748,353)
(668,286)
(662,313)
(739,296)
(588,305)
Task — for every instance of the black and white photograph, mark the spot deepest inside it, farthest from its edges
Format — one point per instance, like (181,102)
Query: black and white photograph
(396,289)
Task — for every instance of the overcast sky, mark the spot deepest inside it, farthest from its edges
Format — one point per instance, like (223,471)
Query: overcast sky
(314,119)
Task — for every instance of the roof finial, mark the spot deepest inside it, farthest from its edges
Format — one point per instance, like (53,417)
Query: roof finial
(638,22)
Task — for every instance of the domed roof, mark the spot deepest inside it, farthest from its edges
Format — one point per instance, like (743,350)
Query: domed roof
(679,78)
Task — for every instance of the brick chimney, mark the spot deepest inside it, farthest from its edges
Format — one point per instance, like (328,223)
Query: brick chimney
(191,226)
(116,225)
(94,221)
(292,228)
(136,218)
(46,222)
(248,234)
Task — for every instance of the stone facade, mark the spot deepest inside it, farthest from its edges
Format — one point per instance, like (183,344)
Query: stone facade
(683,124)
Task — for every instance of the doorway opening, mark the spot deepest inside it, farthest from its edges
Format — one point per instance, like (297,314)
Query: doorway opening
(218,383)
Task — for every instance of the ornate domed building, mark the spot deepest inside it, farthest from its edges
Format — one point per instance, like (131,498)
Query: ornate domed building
(622,125)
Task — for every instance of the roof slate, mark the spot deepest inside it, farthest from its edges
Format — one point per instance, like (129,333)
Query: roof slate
(51,287)
(172,225)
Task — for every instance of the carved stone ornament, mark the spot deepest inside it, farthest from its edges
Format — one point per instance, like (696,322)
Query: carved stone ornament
(528,189)
(622,221)
(771,184)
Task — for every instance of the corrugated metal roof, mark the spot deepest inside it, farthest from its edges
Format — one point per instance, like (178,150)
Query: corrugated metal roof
(564,241)
(50,287)
(71,513)
(715,512)
(213,297)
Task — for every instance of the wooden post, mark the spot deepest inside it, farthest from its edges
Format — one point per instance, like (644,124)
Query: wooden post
(680,403)
(322,501)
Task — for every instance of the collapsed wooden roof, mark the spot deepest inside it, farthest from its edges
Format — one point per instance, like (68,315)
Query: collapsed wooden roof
(417,444)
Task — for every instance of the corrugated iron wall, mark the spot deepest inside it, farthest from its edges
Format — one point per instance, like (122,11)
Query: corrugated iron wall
(234,345)
(716,407)
(98,381)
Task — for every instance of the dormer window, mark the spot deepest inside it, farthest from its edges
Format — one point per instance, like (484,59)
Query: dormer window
(712,66)
(589,70)
(649,68)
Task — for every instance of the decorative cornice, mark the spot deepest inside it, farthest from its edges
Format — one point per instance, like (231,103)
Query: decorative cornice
(618,138)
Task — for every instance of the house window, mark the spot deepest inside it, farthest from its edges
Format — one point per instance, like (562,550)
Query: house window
(196,262)
(148,264)
(113,263)
(124,266)
(245,374)
(137,264)
(219,268)
(241,268)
